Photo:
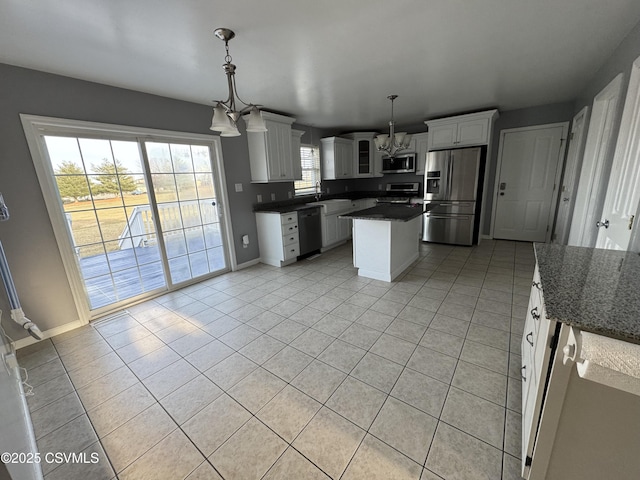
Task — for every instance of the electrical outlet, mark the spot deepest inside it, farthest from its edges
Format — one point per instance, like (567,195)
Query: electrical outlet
(328,190)
(259,198)
(238,187)
(346,188)
(273,196)
(379,186)
(290,195)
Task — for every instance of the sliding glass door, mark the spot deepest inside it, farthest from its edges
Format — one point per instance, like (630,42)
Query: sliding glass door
(141,216)
(185,195)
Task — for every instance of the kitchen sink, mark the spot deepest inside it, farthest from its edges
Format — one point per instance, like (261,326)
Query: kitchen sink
(333,205)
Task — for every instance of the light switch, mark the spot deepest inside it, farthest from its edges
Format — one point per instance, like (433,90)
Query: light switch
(273,196)
(238,187)
(290,195)
(259,198)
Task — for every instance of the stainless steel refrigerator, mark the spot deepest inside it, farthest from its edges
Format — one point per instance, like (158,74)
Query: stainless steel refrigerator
(452,193)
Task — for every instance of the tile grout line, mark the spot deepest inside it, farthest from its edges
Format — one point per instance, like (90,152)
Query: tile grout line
(316,357)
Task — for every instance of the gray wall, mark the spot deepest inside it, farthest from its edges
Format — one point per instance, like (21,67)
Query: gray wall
(28,236)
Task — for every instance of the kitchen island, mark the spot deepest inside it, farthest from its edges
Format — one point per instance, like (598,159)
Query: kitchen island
(386,240)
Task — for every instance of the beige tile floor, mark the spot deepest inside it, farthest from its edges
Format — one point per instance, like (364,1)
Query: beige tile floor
(304,372)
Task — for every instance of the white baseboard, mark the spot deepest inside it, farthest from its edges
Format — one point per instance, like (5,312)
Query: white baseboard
(248,264)
(24,342)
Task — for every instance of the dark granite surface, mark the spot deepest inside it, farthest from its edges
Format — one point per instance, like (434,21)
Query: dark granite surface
(592,289)
(387,212)
(287,208)
(300,202)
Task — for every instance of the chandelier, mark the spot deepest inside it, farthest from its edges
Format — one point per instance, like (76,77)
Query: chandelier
(225,114)
(394,142)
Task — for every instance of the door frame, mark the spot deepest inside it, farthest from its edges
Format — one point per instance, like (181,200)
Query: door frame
(35,126)
(571,172)
(596,163)
(561,154)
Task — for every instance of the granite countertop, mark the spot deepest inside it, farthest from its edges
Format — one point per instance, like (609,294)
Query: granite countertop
(595,290)
(300,203)
(286,208)
(386,212)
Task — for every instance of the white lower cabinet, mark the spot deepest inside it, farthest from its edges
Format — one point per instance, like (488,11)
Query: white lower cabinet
(572,428)
(278,237)
(329,230)
(536,354)
(335,230)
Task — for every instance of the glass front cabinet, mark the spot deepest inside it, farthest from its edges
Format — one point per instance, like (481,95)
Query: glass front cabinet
(365,155)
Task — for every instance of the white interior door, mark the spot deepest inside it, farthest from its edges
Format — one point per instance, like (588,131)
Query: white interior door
(595,167)
(528,163)
(621,202)
(570,178)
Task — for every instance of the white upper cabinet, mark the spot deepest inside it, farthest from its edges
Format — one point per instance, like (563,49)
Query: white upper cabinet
(363,154)
(421,148)
(337,158)
(270,152)
(461,130)
(296,142)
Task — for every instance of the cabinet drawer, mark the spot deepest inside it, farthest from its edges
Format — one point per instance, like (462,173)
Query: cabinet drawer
(291,251)
(287,218)
(290,228)
(290,239)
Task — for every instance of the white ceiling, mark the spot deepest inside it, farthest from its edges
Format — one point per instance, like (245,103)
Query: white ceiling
(329,63)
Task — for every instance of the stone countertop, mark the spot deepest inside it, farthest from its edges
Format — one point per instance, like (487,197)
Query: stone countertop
(286,208)
(595,290)
(300,203)
(386,212)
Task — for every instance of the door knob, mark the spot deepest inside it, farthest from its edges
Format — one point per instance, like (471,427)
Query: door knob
(604,223)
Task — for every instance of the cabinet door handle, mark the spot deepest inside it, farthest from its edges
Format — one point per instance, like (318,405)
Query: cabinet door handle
(529,338)
(524,373)
(534,314)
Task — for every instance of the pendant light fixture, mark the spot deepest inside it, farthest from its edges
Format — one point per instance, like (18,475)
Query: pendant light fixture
(225,114)
(393,142)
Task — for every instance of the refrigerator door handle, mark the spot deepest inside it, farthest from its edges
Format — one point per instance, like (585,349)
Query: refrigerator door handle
(449,176)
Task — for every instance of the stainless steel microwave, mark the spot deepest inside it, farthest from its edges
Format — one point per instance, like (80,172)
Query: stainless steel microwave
(404,163)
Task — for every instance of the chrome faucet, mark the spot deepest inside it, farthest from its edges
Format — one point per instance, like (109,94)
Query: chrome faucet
(318,191)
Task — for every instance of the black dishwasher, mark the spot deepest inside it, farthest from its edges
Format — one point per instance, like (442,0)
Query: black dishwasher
(309,230)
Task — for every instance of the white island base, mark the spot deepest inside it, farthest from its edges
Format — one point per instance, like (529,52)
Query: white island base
(383,249)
